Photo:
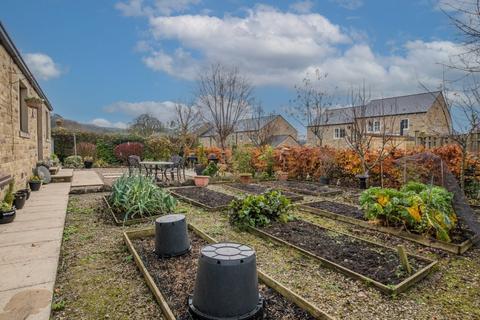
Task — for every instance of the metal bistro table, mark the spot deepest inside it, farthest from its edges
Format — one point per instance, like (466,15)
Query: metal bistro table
(156,166)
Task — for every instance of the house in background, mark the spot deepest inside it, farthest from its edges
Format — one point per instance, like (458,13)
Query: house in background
(273,130)
(406,119)
(24,131)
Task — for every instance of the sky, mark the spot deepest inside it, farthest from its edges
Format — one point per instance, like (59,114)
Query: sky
(105,62)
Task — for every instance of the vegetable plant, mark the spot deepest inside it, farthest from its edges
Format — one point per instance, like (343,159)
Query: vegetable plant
(260,210)
(418,207)
(138,196)
(211,170)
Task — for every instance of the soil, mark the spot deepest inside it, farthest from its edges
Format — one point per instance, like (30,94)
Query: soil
(375,262)
(205,196)
(175,277)
(309,188)
(458,235)
(258,189)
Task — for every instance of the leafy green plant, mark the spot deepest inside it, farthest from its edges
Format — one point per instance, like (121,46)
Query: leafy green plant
(105,152)
(9,196)
(35,179)
(5,207)
(73,162)
(418,207)
(211,170)
(260,210)
(138,196)
(100,163)
(242,161)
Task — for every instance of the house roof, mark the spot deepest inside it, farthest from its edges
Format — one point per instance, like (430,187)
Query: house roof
(414,103)
(249,124)
(275,141)
(12,50)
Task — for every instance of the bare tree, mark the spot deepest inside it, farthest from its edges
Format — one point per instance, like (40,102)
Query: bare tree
(224,96)
(260,127)
(370,132)
(146,125)
(310,105)
(187,120)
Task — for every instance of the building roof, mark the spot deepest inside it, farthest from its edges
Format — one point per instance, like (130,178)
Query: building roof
(12,50)
(414,103)
(249,124)
(277,140)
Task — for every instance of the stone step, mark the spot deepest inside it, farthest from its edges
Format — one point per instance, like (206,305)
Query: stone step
(63,175)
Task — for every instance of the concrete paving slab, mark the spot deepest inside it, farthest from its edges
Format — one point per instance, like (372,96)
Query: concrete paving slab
(86,178)
(15,238)
(28,252)
(44,223)
(28,273)
(30,303)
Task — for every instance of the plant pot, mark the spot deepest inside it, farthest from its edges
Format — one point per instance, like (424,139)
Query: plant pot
(282,176)
(19,201)
(199,169)
(25,191)
(8,216)
(325,180)
(362,182)
(245,178)
(171,236)
(35,185)
(88,164)
(201,181)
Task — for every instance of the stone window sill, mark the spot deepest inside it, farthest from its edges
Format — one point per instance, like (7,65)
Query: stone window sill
(24,135)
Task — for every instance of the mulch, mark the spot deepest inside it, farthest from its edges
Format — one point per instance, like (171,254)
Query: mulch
(204,196)
(259,189)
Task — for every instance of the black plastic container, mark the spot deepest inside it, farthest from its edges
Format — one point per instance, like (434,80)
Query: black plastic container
(20,199)
(88,164)
(324,181)
(171,236)
(8,216)
(35,185)
(226,286)
(25,191)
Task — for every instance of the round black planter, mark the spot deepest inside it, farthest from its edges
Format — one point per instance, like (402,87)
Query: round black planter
(325,180)
(362,182)
(88,164)
(19,201)
(199,169)
(35,185)
(25,192)
(7,217)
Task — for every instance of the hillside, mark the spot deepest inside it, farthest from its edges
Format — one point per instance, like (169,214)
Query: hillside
(77,126)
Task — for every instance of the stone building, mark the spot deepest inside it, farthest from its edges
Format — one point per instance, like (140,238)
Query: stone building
(273,130)
(405,119)
(24,130)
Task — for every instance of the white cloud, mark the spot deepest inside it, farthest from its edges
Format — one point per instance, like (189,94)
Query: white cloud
(42,66)
(302,6)
(163,110)
(136,8)
(100,122)
(349,4)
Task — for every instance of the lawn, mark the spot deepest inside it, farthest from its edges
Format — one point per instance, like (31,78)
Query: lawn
(98,279)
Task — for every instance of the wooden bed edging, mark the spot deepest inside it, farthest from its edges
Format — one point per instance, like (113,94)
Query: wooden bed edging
(130,221)
(167,312)
(296,197)
(388,289)
(195,202)
(430,242)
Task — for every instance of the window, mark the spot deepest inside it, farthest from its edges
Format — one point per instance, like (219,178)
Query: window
(373,126)
(404,124)
(23,108)
(339,133)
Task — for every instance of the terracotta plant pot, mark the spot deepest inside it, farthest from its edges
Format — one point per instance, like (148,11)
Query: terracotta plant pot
(282,176)
(245,178)
(201,181)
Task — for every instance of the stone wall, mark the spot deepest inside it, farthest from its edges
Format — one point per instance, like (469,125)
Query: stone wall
(19,150)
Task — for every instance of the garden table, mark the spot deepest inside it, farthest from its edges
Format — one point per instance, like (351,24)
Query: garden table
(157,166)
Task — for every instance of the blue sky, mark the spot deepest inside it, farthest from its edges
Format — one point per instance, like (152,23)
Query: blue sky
(110,60)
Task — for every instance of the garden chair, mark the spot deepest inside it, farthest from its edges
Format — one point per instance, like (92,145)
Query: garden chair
(134,165)
(177,168)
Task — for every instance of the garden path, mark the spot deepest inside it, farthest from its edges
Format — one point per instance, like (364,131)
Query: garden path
(29,253)
(86,178)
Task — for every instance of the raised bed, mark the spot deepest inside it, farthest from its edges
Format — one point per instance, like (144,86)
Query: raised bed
(172,280)
(303,187)
(360,259)
(254,188)
(203,197)
(118,216)
(354,215)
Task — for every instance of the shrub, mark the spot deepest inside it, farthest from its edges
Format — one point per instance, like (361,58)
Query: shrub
(86,149)
(242,160)
(100,164)
(418,207)
(73,162)
(138,196)
(124,150)
(105,152)
(260,210)
(9,196)
(211,170)
(158,148)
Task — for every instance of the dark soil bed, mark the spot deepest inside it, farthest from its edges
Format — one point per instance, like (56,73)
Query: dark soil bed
(370,260)
(204,196)
(175,277)
(258,189)
(458,235)
(303,187)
